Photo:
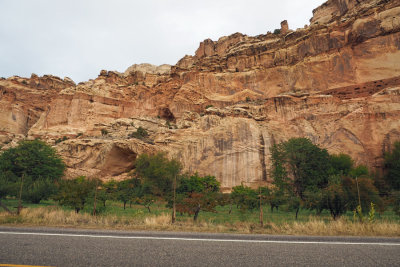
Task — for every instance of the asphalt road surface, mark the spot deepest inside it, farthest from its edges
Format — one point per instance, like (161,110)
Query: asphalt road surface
(70,247)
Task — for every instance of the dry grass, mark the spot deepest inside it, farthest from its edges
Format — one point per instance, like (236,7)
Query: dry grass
(55,216)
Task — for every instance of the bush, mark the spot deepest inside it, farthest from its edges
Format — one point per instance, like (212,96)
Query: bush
(140,133)
(277,31)
(104,132)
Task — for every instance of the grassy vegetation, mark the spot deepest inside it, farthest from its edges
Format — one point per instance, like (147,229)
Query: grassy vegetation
(137,217)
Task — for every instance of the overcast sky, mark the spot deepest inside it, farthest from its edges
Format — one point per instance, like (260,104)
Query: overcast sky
(78,38)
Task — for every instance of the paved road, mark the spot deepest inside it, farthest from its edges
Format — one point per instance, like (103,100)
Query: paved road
(69,247)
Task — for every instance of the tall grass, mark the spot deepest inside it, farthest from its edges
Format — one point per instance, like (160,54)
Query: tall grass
(56,216)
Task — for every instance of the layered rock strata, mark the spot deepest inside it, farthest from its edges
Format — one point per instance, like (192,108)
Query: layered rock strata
(337,82)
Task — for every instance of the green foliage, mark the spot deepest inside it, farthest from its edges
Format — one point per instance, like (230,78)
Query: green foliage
(146,201)
(359,171)
(368,193)
(209,106)
(76,193)
(39,165)
(392,166)
(36,190)
(104,132)
(357,213)
(277,31)
(244,197)
(315,200)
(157,172)
(196,193)
(280,176)
(298,166)
(140,133)
(371,213)
(196,183)
(196,202)
(107,191)
(127,190)
(341,164)
(336,200)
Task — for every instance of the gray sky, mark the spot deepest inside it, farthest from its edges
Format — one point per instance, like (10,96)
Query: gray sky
(78,38)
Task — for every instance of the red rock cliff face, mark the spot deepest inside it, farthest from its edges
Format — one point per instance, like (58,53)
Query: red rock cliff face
(336,82)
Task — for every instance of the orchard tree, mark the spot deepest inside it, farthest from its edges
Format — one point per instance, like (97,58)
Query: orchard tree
(76,193)
(196,193)
(34,164)
(125,191)
(244,197)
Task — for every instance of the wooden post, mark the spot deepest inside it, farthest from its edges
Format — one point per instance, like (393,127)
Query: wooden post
(261,210)
(20,195)
(95,198)
(173,202)
(358,191)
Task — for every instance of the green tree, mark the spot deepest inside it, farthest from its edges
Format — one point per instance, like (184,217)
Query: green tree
(299,168)
(107,191)
(359,171)
(196,193)
(299,165)
(75,193)
(244,197)
(36,165)
(158,172)
(127,190)
(273,196)
(342,164)
(336,200)
(392,167)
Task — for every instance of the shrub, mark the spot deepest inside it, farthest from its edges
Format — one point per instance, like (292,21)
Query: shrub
(140,133)
(104,132)
(277,31)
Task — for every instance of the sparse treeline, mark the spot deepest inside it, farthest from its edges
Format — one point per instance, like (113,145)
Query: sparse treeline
(303,176)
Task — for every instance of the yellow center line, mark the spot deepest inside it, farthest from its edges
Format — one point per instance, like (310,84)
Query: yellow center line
(19,265)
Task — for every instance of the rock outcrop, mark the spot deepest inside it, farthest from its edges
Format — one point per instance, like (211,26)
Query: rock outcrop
(336,82)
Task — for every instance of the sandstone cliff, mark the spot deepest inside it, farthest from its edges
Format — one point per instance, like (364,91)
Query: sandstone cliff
(337,82)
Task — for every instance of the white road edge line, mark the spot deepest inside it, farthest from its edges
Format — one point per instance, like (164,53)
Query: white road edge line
(203,239)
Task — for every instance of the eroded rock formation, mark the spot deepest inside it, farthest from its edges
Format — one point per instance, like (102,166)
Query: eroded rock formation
(336,82)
